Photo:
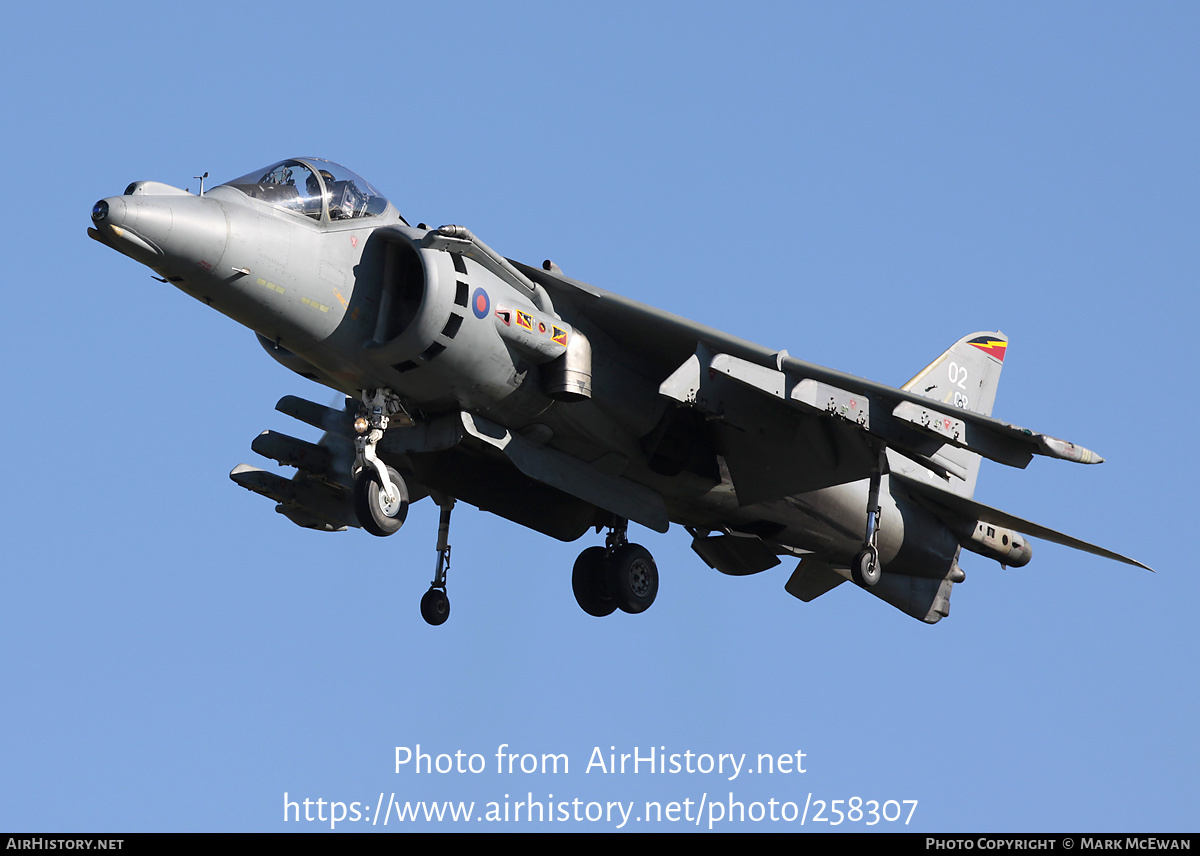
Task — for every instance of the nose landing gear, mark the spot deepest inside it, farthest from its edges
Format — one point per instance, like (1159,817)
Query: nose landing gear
(380,494)
(381,510)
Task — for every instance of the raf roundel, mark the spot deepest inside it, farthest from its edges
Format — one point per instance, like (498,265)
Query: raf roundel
(480,303)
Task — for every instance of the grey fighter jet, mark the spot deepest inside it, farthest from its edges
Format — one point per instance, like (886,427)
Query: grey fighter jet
(564,408)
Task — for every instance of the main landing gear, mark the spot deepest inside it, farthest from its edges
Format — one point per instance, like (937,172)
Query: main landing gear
(618,575)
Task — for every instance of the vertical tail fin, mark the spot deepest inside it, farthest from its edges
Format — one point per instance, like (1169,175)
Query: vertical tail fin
(966,376)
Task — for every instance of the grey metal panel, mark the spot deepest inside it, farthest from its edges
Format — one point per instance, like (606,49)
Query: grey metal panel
(767,380)
(826,398)
(432,435)
(549,466)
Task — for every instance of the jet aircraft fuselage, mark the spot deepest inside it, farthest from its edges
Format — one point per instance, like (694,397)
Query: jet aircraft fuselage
(563,407)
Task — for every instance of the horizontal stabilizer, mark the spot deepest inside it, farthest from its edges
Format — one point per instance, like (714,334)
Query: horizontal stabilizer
(969,509)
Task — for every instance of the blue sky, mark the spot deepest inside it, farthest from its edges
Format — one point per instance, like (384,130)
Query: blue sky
(860,184)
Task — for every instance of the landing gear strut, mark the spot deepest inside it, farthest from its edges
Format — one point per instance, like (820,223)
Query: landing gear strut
(866,568)
(435,605)
(618,575)
(380,494)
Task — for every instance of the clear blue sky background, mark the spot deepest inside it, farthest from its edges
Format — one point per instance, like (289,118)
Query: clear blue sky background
(858,183)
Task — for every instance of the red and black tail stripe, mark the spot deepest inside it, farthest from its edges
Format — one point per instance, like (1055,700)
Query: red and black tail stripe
(991,346)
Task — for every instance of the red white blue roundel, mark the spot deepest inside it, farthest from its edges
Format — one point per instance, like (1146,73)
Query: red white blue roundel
(480,303)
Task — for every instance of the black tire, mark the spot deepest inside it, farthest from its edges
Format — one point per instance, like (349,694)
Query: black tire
(866,569)
(435,607)
(370,507)
(589,583)
(632,578)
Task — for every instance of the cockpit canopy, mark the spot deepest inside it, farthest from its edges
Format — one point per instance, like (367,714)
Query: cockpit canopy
(312,187)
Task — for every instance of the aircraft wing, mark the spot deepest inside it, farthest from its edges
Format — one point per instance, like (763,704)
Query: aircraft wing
(696,364)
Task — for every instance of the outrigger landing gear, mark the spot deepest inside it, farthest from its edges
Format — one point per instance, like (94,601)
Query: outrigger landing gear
(380,494)
(435,605)
(866,568)
(618,575)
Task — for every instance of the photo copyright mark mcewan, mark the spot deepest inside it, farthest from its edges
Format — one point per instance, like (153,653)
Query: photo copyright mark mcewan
(699,809)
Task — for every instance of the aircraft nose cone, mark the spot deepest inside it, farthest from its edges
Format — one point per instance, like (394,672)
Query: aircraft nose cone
(174,230)
(115,223)
(109,212)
